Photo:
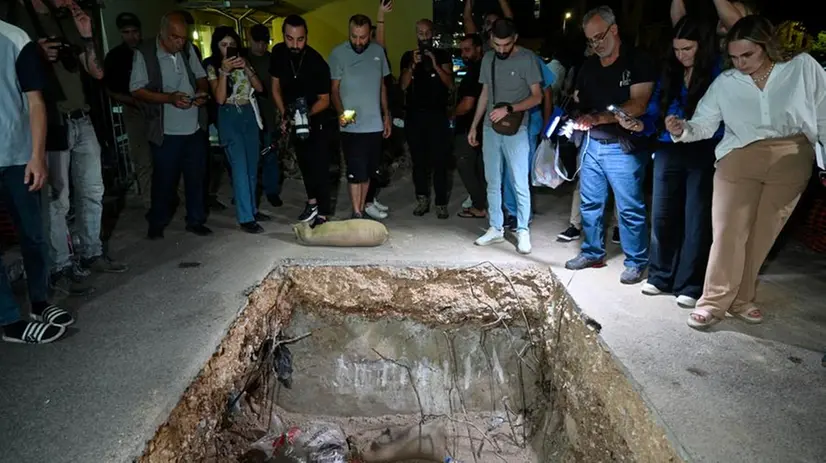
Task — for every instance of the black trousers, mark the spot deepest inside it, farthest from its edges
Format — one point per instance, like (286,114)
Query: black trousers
(314,161)
(179,154)
(472,170)
(681,217)
(429,137)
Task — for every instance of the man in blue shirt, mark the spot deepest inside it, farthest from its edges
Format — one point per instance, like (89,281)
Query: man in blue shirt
(22,175)
(538,119)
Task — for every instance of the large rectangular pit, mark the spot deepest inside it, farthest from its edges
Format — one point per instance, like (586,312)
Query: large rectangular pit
(480,364)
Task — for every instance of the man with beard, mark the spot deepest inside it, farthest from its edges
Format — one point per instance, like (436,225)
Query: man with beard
(469,158)
(118,69)
(612,158)
(301,90)
(511,87)
(359,94)
(426,79)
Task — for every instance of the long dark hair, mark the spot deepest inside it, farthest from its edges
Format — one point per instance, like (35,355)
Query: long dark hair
(216,58)
(702,32)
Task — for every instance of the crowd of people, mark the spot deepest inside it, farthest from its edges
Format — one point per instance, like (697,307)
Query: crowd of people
(730,121)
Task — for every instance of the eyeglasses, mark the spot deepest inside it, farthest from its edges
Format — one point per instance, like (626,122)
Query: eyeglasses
(600,38)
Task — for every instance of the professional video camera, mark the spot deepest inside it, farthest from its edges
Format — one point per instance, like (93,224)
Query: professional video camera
(67,53)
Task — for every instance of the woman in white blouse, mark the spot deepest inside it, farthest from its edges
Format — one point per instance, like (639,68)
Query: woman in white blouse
(774,111)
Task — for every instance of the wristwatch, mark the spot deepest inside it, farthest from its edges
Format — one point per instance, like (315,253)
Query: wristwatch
(509,108)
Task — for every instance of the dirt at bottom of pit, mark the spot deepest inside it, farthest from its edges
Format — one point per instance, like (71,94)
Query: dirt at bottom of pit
(471,437)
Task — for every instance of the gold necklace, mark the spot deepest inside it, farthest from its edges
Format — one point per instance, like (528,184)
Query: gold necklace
(764,77)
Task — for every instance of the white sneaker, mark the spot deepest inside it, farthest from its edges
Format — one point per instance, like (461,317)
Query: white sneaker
(467,203)
(523,241)
(373,211)
(380,206)
(650,290)
(492,236)
(686,302)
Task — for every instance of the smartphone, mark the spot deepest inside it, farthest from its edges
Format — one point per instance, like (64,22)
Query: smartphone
(349,115)
(619,112)
(232,52)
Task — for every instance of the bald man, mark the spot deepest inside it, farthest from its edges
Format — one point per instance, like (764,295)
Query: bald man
(169,78)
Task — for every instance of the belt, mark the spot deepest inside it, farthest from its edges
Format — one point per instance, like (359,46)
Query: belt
(606,141)
(76,114)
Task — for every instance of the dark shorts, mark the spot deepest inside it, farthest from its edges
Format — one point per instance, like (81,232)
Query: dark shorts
(362,151)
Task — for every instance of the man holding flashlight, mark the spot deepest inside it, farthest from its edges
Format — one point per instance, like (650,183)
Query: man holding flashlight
(358,68)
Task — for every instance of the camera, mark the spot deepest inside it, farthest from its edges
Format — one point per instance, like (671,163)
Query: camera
(67,53)
(301,119)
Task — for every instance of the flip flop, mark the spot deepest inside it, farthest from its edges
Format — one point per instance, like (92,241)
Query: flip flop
(748,318)
(469,214)
(710,319)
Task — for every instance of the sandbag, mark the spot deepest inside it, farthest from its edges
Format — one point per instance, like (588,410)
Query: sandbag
(344,233)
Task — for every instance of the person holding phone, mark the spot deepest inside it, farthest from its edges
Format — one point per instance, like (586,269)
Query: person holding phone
(774,109)
(234,83)
(683,172)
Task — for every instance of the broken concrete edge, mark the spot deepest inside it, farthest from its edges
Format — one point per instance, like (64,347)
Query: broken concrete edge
(196,416)
(655,418)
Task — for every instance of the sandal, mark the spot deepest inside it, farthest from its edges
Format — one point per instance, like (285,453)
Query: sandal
(748,315)
(708,319)
(472,213)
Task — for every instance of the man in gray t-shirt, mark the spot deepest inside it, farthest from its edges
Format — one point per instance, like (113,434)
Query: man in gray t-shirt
(516,85)
(358,68)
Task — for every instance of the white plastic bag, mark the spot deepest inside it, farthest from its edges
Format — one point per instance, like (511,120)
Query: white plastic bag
(545,169)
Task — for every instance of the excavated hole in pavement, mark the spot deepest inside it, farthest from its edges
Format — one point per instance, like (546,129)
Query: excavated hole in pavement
(479,364)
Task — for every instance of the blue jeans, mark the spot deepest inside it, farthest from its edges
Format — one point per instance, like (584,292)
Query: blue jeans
(270,169)
(238,130)
(606,166)
(78,169)
(499,152)
(178,154)
(25,209)
(507,186)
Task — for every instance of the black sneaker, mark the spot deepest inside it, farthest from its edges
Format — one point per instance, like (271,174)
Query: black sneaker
(422,206)
(200,230)
(615,236)
(252,227)
(215,204)
(69,283)
(275,200)
(357,215)
(24,332)
(310,212)
(318,221)
(53,315)
(261,217)
(510,223)
(154,234)
(441,212)
(571,234)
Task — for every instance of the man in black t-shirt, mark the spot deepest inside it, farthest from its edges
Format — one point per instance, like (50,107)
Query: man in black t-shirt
(469,158)
(426,79)
(301,73)
(612,157)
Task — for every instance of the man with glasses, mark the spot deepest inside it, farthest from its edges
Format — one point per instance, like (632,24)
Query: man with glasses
(611,157)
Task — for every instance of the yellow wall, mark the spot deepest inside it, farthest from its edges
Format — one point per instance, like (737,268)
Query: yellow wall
(328,25)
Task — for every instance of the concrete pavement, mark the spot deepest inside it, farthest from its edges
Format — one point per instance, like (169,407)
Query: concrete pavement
(738,393)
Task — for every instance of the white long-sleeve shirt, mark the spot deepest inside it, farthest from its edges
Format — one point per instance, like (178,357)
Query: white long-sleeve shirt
(792,102)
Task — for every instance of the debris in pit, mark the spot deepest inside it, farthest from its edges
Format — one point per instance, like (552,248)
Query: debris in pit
(283,364)
(315,443)
(426,442)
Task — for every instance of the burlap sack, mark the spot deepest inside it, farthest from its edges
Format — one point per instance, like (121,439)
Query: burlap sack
(345,233)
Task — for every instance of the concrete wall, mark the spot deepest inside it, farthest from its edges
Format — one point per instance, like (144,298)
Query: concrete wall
(148,11)
(328,25)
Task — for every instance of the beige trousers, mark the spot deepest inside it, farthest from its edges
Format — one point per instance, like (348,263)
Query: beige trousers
(756,188)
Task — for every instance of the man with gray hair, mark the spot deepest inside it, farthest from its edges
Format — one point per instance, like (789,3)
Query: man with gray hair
(168,77)
(621,78)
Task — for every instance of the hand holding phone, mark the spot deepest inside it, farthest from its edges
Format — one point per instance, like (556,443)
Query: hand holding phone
(617,111)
